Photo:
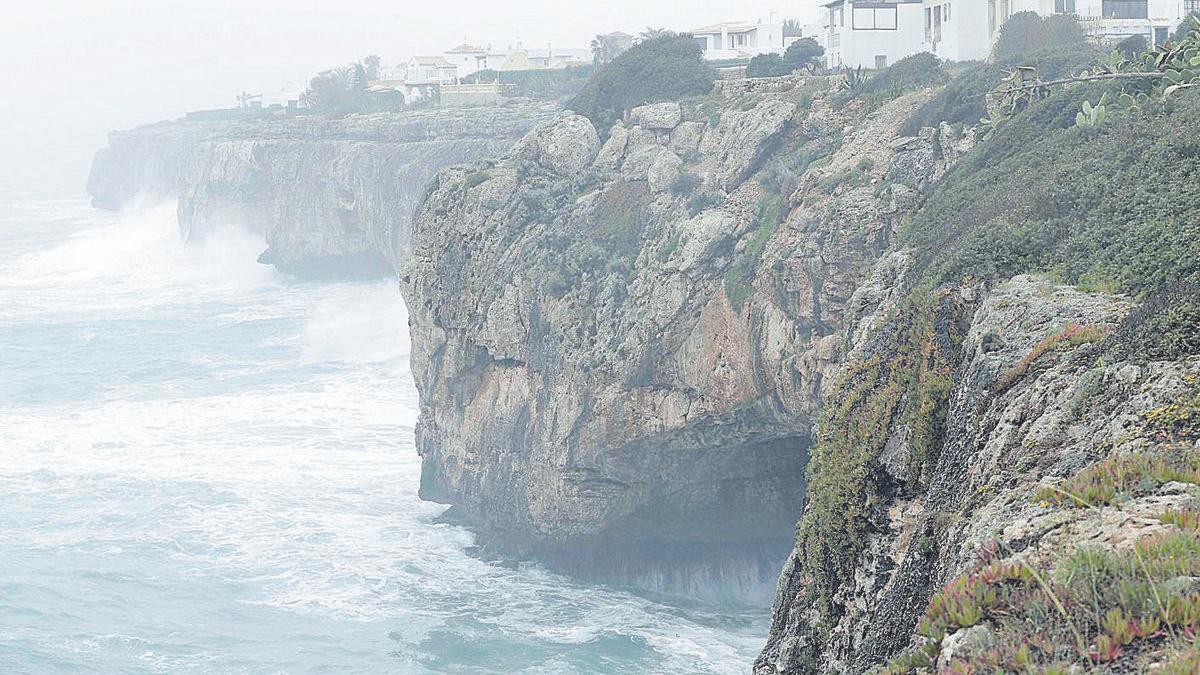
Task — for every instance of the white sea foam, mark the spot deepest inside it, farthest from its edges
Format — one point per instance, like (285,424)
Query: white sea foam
(205,467)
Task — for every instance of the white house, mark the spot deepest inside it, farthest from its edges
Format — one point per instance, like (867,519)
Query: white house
(958,31)
(961,30)
(736,40)
(874,34)
(430,70)
(468,59)
(1114,20)
(871,34)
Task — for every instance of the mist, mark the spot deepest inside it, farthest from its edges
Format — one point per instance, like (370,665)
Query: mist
(78,70)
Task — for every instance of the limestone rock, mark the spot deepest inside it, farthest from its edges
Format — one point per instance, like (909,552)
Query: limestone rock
(612,153)
(639,162)
(568,145)
(663,172)
(329,196)
(658,116)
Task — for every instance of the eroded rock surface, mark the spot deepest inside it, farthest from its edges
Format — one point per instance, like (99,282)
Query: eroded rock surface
(329,195)
(619,370)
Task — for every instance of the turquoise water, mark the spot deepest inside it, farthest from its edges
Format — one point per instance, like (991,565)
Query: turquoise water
(208,467)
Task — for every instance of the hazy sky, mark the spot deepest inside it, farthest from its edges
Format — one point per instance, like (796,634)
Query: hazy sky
(76,69)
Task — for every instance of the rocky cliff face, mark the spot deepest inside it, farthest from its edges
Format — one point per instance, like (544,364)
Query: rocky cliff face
(621,346)
(645,355)
(328,195)
(1010,430)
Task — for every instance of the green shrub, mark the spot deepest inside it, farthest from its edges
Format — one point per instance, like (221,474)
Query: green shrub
(1133,46)
(907,74)
(1165,327)
(962,101)
(1096,207)
(1186,26)
(542,85)
(768,65)
(1025,34)
(804,53)
(620,216)
(665,68)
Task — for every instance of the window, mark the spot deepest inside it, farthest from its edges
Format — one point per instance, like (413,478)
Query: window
(1191,5)
(1126,9)
(937,25)
(875,18)
(929,24)
(946,12)
(702,41)
(1064,6)
(880,61)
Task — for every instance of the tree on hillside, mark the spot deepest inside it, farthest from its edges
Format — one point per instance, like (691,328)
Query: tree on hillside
(1026,34)
(768,65)
(804,53)
(330,89)
(372,64)
(344,90)
(667,67)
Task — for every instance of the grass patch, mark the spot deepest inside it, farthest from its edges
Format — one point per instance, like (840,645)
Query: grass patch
(1073,335)
(1087,611)
(1120,478)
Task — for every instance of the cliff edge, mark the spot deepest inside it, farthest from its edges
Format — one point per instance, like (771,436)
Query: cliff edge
(330,196)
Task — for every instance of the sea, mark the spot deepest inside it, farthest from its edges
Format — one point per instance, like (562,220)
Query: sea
(208,467)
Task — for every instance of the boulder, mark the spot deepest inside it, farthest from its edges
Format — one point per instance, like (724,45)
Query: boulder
(638,162)
(661,116)
(664,171)
(613,150)
(685,140)
(742,137)
(568,145)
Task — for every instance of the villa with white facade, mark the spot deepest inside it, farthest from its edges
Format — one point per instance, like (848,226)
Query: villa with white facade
(862,34)
(734,40)
(875,34)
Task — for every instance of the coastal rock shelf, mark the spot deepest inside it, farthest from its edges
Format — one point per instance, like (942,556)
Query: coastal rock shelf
(330,196)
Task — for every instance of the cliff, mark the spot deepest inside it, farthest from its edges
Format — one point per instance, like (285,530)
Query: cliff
(969,367)
(328,195)
(620,347)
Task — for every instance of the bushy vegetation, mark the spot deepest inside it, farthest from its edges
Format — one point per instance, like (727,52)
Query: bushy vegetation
(1089,611)
(1185,27)
(344,90)
(1166,326)
(1026,33)
(1094,206)
(667,67)
(768,65)
(803,54)
(620,216)
(907,378)
(541,85)
(907,74)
